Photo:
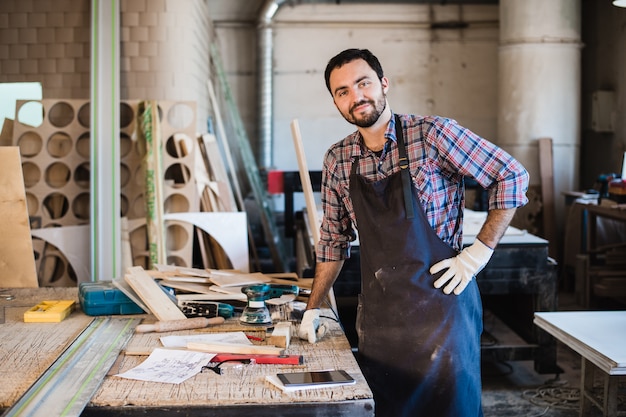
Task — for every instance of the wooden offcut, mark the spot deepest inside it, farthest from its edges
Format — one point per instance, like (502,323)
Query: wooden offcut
(17,261)
(152,295)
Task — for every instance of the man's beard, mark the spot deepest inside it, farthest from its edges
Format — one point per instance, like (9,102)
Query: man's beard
(368,119)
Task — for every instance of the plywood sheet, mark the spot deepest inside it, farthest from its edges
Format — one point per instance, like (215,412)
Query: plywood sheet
(599,336)
(17,262)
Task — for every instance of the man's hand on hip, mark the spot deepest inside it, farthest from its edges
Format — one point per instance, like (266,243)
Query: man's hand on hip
(462,268)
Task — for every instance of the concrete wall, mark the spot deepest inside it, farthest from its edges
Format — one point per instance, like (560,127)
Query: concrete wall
(452,72)
(449,72)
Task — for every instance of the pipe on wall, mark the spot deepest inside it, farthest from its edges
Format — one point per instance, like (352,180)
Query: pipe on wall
(265,81)
(265,50)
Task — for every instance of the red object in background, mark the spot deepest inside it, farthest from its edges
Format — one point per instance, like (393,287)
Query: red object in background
(275,182)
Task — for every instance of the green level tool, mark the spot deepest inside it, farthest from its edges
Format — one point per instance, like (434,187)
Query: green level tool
(70,382)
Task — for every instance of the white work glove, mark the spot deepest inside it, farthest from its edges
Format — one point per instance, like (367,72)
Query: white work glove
(310,328)
(462,268)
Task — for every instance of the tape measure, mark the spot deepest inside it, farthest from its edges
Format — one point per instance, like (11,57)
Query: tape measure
(52,311)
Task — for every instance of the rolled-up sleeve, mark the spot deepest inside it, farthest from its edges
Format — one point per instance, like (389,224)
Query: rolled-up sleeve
(505,178)
(336,231)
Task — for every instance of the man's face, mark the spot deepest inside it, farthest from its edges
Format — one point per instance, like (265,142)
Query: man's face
(357,92)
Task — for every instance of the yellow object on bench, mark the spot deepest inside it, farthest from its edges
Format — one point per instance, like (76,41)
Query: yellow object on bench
(52,311)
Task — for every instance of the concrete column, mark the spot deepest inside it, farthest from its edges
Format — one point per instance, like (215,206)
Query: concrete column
(539,87)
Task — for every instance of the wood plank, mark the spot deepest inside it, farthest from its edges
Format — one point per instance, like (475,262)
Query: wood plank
(216,347)
(17,260)
(214,164)
(311,207)
(152,295)
(546,167)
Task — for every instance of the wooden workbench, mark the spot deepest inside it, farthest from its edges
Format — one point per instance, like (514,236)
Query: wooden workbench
(28,349)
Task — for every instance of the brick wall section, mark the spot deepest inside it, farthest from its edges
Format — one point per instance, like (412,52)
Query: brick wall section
(165,52)
(46,41)
(164,49)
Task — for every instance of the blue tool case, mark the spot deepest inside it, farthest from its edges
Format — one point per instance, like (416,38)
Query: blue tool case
(102,298)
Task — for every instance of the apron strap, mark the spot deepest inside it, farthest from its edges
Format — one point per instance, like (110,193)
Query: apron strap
(404,170)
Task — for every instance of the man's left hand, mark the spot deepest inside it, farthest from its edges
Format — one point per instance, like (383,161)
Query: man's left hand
(462,268)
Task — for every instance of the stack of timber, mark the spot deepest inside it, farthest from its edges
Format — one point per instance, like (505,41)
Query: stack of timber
(167,289)
(174,174)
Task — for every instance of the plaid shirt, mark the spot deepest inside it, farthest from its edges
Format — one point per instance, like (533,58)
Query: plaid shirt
(441,153)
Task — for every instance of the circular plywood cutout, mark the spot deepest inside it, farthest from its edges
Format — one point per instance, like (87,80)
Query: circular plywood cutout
(30,144)
(32,203)
(124,175)
(61,114)
(32,174)
(123,206)
(126,115)
(126,144)
(180,116)
(178,174)
(178,145)
(84,115)
(59,145)
(176,203)
(83,145)
(177,237)
(57,175)
(80,206)
(82,175)
(31,113)
(55,205)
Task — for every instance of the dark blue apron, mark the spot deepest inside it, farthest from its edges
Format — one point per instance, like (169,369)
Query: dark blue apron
(419,348)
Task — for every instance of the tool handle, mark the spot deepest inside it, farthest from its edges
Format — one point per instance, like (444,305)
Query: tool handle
(185,324)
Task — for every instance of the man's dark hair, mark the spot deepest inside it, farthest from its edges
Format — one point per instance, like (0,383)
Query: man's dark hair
(350,55)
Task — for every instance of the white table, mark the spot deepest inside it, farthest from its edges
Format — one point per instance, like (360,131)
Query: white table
(600,338)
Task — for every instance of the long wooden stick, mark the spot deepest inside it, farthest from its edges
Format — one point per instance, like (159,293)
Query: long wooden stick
(216,347)
(154,188)
(546,168)
(309,198)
